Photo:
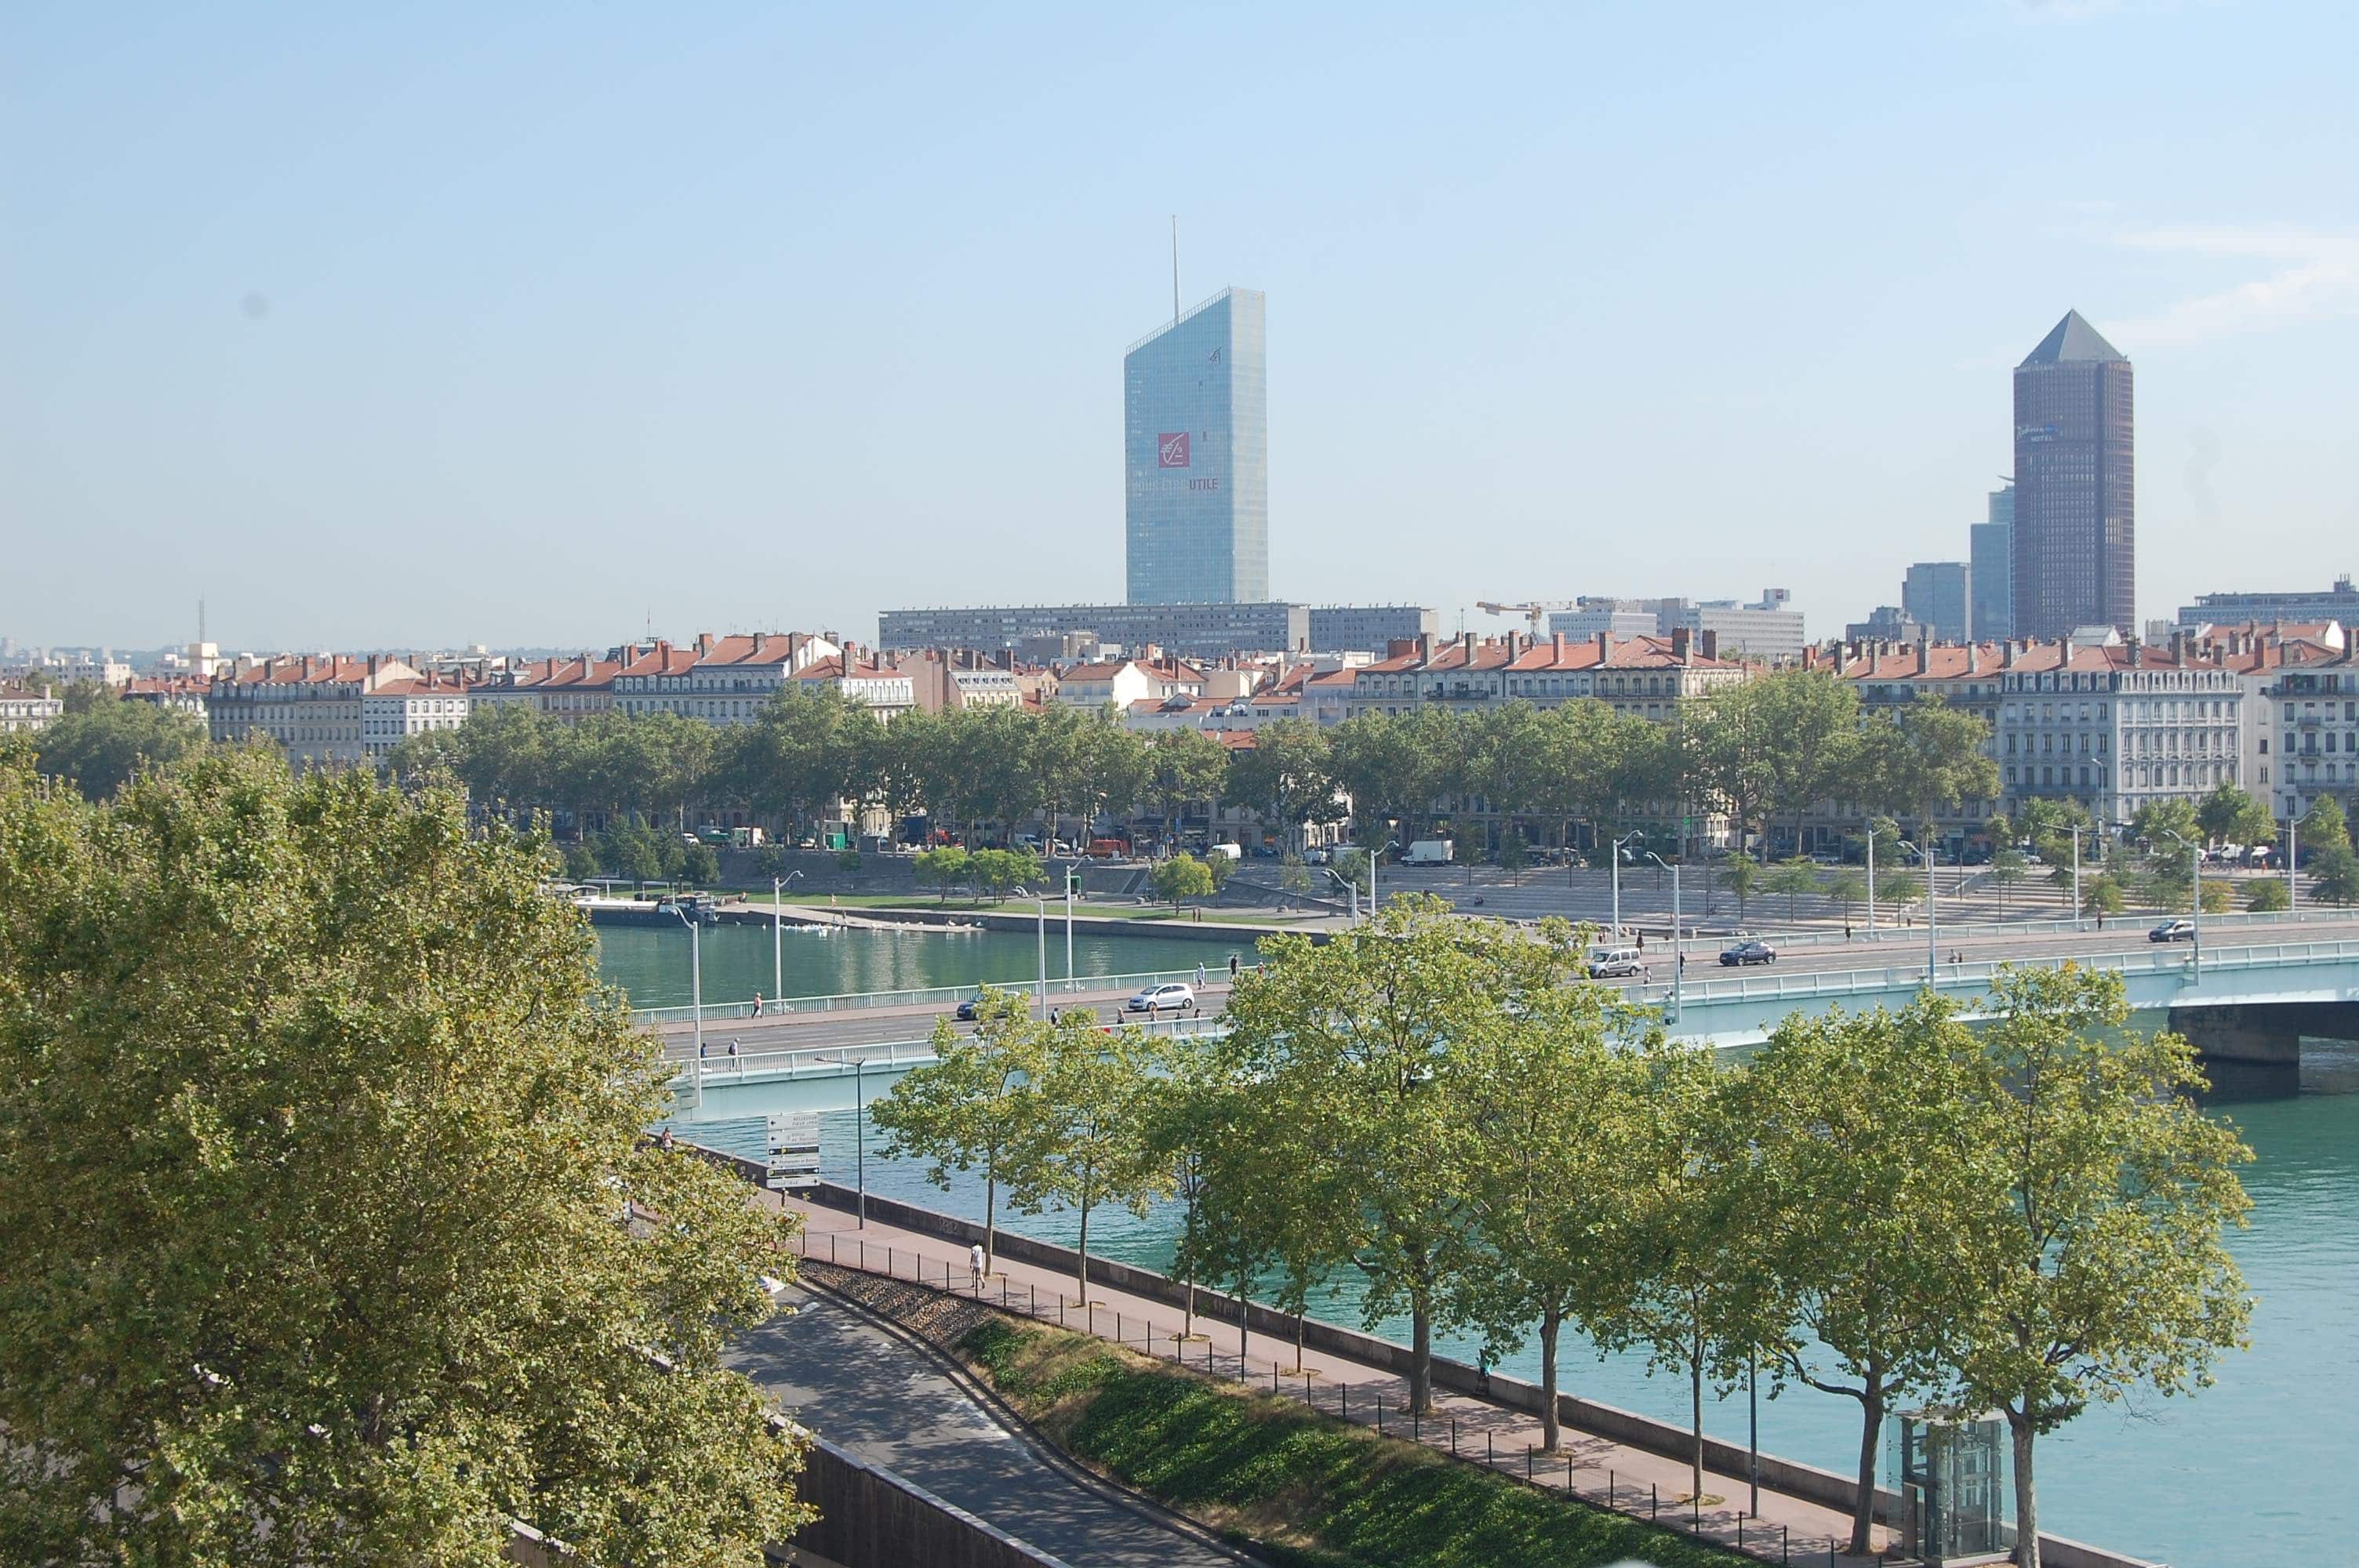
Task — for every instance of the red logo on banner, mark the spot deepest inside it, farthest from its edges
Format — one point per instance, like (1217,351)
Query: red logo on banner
(1171,449)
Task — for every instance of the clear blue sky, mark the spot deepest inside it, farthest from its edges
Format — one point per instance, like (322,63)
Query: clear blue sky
(422,324)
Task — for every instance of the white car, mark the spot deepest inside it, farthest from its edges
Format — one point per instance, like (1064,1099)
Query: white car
(1162,999)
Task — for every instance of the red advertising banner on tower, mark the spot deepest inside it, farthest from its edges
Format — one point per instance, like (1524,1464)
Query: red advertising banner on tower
(1171,449)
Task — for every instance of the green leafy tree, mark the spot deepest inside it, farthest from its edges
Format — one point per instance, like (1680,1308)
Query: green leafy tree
(964,1110)
(1793,878)
(581,862)
(1184,769)
(1859,1189)
(1514,856)
(945,865)
(1293,876)
(2334,874)
(2267,896)
(1082,1118)
(808,749)
(700,865)
(2101,894)
(1364,1038)
(2230,816)
(1813,717)
(1742,877)
(2219,895)
(1556,1098)
(2008,867)
(1926,757)
(632,849)
(1182,877)
(1287,776)
(1692,1296)
(1000,872)
(2325,827)
(102,743)
(318,1122)
(1898,886)
(1847,887)
(2104,1267)
(1731,758)
(1192,1116)
(2169,831)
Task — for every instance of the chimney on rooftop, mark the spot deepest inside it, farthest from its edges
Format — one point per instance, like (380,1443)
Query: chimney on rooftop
(1466,645)
(1604,646)
(1710,643)
(1558,653)
(1425,647)
(1680,643)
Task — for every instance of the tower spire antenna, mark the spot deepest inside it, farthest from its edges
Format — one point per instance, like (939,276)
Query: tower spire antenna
(1175,268)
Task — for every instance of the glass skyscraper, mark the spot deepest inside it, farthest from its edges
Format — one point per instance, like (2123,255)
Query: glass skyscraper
(2075,517)
(1196,456)
(1993,564)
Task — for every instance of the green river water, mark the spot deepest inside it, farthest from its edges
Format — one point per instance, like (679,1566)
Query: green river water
(2256,1470)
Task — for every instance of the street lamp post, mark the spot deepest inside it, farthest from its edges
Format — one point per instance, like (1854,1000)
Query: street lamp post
(2195,878)
(1932,915)
(1041,901)
(695,994)
(1616,859)
(1069,874)
(1679,955)
(859,1135)
(2293,861)
(2076,876)
(1871,879)
(777,933)
(1374,855)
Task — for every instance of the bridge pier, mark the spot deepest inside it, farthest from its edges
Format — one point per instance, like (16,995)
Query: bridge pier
(2270,1035)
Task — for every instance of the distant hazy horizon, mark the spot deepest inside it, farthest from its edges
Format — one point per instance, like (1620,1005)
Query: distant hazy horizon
(545,327)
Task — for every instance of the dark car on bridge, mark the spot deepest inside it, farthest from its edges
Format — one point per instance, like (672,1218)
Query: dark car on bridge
(2172,931)
(966,1008)
(1748,953)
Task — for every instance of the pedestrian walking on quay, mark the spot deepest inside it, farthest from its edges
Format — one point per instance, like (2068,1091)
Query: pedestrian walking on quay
(975,1264)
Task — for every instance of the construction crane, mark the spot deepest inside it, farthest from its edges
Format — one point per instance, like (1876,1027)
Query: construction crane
(1531,612)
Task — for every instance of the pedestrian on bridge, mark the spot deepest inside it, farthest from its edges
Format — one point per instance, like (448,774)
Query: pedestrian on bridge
(757,1004)
(1199,971)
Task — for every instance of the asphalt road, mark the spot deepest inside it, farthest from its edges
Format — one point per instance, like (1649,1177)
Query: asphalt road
(1895,948)
(865,1390)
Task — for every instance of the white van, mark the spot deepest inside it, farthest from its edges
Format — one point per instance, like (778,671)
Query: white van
(1615,963)
(1224,851)
(1429,852)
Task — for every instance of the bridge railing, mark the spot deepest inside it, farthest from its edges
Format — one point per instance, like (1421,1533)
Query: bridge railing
(2176,958)
(925,996)
(718,1066)
(1821,937)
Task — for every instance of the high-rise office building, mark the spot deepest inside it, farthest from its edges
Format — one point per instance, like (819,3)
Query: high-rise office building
(1993,557)
(1940,595)
(1196,456)
(2075,554)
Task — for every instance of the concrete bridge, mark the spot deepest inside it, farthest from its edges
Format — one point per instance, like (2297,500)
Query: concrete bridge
(2258,988)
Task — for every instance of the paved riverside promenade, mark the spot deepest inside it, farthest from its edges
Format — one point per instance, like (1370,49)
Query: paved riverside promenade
(1597,1470)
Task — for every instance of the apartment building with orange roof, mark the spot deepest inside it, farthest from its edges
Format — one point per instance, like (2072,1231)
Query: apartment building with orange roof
(309,706)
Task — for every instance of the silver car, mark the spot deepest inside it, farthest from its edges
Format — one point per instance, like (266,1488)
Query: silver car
(1162,999)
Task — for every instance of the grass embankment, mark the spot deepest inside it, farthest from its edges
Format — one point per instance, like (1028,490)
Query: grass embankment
(1306,1489)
